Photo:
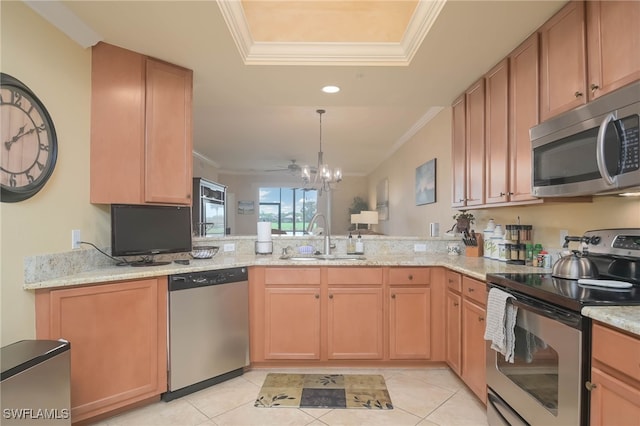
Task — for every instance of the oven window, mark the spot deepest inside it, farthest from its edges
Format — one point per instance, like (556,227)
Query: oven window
(535,367)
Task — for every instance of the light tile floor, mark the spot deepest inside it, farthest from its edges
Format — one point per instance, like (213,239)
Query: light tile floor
(420,396)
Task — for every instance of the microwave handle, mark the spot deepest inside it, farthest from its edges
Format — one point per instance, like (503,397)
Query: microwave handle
(602,167)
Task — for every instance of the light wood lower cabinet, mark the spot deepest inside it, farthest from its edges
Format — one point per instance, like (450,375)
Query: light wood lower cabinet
(334,314)
(354,323)
(453,325)
(465,316)
(118,341)
(410,313)
(615,377)
(473,348)
(292,323)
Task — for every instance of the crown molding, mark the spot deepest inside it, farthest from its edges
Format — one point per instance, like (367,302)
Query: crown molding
(60,16)
(272,53)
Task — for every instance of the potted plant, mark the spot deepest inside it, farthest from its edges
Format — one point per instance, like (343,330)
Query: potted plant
(463,221)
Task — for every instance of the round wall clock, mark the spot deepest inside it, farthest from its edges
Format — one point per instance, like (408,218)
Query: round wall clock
(29,143)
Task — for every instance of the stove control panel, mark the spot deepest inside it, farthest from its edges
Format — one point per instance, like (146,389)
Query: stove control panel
(627,242)
(614,242)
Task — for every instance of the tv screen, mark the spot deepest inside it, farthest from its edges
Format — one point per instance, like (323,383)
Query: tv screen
(149,230)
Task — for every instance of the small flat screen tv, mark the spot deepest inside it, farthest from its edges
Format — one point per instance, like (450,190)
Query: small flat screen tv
(149,230)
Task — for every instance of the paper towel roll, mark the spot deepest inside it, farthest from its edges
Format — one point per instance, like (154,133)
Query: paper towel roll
(264,231)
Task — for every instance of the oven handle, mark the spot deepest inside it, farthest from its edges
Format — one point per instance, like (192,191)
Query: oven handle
(568,318)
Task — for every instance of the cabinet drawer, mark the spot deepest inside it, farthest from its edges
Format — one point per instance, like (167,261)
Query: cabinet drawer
(295,276)
(346,275)
(454,281)
(475,290)
(616,349)
(402,276)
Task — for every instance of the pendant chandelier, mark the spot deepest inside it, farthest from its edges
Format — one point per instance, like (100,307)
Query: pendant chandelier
(323,175)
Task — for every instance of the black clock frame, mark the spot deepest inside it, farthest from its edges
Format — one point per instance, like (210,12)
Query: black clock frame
(9,194)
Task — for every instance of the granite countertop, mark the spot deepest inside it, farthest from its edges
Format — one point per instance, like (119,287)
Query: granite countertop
(476,267)
(625,318)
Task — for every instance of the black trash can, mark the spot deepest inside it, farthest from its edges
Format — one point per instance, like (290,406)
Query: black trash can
(35,386)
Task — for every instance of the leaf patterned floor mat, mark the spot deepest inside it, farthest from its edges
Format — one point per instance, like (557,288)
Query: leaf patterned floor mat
(324,391)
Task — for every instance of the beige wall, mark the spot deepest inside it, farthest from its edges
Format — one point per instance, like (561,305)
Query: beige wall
(405,218)
(58,71)
(434,141)
(245,188)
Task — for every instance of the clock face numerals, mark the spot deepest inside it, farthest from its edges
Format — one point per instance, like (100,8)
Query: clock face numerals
(28,142)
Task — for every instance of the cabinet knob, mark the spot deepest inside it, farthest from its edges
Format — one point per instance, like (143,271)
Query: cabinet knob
(510,193)
(393,296)
(456,304)
(502,194)
(577,94)
(480,319)
(594,87)
(410,277)
(331,296)
(317,296)
(590,386)
(471,289)
(461,200)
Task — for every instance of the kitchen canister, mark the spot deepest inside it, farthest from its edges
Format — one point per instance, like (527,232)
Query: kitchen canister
(496,239)
(487,235)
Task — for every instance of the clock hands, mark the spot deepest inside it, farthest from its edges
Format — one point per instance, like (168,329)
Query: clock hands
(21,133)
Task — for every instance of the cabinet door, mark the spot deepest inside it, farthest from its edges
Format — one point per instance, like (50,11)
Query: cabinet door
(168,143)
(458,153)
(523,115)
(475,123)
(563,70)
(613,42)
(453,311)
(117,125)
(292,323)
(473,348)
(613,402)
(118,342)
(497,133)
(355,323)
(410,323)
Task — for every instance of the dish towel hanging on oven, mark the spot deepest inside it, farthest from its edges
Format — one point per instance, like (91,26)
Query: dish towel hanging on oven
(501,322)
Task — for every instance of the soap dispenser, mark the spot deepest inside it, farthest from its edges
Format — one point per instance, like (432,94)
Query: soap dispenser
(351,248)
(359,245)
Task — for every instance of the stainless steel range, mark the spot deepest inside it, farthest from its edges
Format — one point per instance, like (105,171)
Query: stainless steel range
(545,385)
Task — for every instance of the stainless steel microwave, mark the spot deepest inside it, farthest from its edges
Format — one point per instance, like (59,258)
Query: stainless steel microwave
(593,149)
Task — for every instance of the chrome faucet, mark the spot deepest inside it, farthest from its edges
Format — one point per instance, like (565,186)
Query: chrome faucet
(326,231)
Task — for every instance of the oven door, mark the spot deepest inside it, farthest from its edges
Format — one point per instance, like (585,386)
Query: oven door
(544,384)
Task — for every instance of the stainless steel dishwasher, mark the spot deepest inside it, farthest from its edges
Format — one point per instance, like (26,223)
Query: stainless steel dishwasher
(208,329)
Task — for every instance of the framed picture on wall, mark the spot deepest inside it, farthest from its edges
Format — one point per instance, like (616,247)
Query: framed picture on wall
(426,183)
(382,199)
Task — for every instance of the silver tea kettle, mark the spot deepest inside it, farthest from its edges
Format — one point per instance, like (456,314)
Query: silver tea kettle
(574,266)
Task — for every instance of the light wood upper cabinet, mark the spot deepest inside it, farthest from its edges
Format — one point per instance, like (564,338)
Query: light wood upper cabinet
(118,338)
(523,115)
(141,130)
(615,377)
(497,133)
(475,143)
(563,66)
(613,40)
(467,156)
(459,153)
(168,143)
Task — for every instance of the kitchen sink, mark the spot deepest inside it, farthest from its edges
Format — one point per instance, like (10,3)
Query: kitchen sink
(324,257)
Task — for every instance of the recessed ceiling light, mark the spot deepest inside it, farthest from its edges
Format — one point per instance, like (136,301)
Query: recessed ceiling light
(330,89)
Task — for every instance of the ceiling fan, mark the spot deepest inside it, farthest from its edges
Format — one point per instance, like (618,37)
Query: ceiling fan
(292,168)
